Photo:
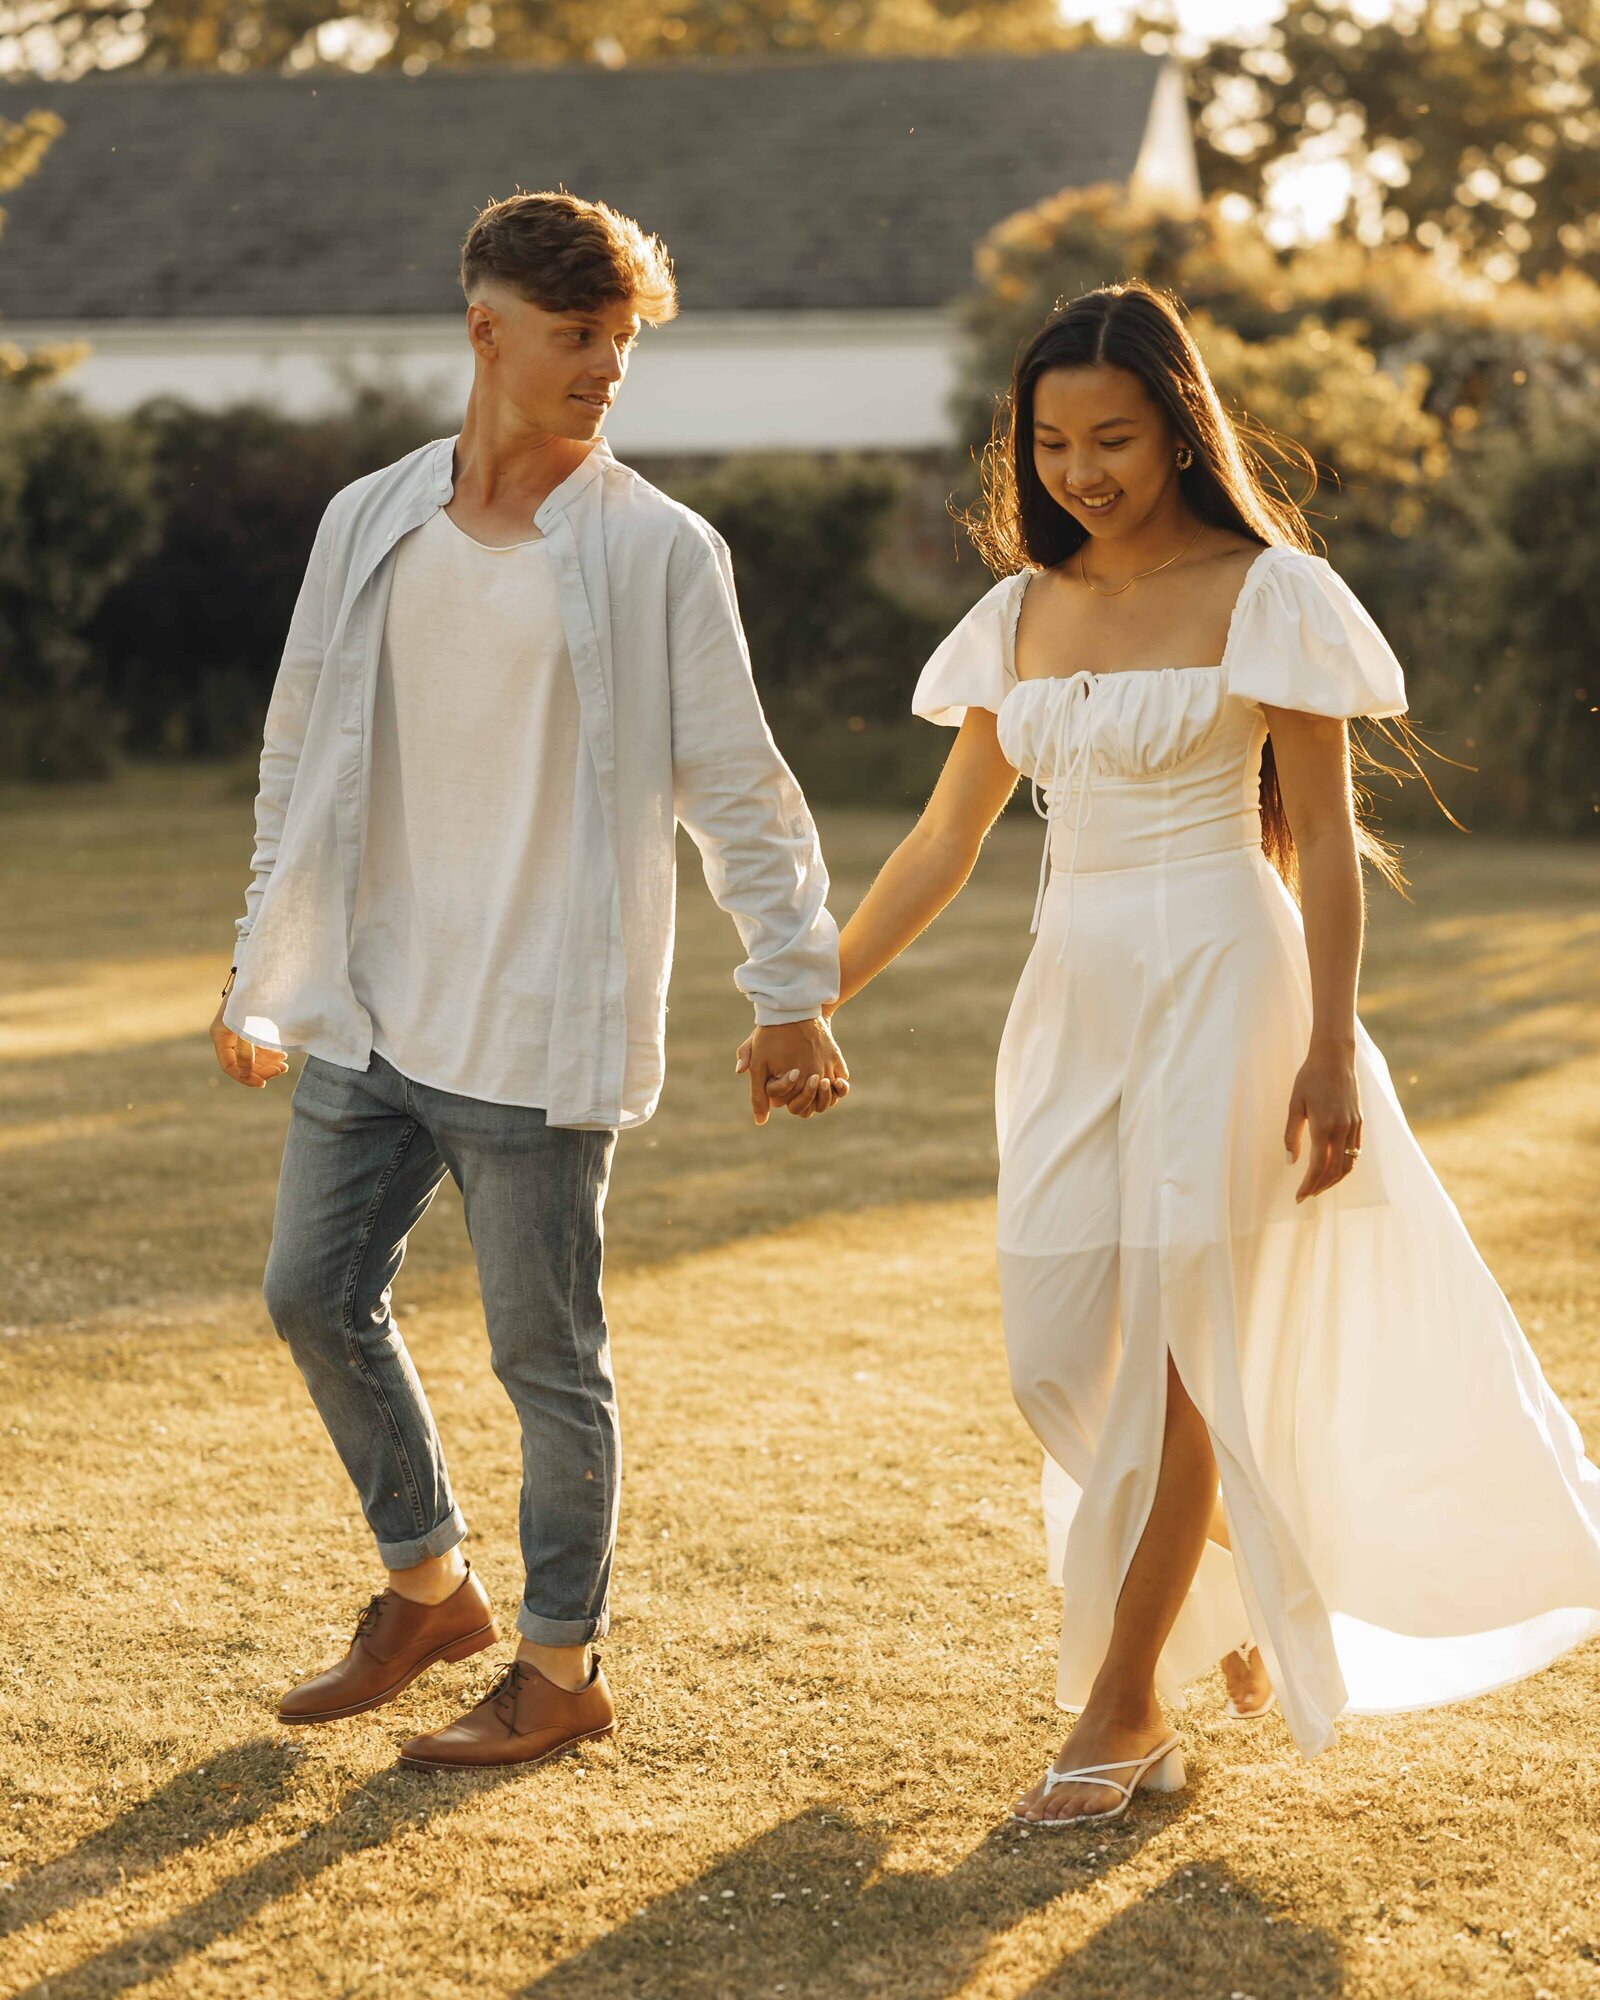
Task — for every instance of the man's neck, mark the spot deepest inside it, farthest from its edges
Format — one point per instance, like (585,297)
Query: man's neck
(499,466)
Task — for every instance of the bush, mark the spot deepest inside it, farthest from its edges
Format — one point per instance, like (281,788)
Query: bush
(1519,682)
(191,640)
(77,511)
(828,637)
(836,648)
(1481,346)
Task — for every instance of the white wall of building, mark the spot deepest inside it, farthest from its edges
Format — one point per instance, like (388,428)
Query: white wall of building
(708,382)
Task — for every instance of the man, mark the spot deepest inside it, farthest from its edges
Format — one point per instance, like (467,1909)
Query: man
(513,667)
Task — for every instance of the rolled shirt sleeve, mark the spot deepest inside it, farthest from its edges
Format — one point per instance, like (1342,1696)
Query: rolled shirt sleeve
(737,797)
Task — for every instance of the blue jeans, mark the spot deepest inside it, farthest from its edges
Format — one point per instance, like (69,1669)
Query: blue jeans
(365,1154)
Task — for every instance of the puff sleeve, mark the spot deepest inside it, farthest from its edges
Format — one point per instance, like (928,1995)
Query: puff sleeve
(972,667)
(1304,640)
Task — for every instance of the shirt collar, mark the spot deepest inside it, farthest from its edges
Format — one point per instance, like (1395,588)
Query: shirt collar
(589,469)
(578,481)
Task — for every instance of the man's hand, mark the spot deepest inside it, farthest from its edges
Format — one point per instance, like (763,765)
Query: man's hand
(243,1061)
(797,1065)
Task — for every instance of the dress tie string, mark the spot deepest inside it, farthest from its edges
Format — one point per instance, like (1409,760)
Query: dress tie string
(1071,765)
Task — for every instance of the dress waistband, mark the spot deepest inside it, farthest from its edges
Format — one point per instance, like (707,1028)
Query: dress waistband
(1130,832)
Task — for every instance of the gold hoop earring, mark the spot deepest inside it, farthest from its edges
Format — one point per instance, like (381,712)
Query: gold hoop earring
(1185,459)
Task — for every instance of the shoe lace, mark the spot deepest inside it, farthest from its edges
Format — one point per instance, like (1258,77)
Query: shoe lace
(504,1685)
(369,1617)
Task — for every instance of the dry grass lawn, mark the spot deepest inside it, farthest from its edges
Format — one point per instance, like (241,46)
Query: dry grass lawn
(833,1640)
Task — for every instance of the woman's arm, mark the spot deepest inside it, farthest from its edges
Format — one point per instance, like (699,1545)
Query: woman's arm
(930,866)
(1313,758)
(922,875)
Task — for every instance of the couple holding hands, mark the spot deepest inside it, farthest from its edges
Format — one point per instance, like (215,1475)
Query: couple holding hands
(1289,1421)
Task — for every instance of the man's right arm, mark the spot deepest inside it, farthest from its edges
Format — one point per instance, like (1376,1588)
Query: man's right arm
(288,715)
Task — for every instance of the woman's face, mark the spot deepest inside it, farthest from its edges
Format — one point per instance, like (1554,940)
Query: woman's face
(1103,449)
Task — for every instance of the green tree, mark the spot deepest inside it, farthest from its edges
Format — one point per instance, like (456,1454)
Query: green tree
(1472,124)
(76,512)
(1522,686)
(1448,344)
(23,145)
(68,38)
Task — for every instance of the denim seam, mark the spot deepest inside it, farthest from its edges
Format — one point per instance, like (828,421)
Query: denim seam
(353,1345)
(585,1185)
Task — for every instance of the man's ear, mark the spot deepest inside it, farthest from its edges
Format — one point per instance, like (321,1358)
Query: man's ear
(482,328)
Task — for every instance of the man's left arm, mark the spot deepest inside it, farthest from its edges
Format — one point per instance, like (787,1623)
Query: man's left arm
(749,819)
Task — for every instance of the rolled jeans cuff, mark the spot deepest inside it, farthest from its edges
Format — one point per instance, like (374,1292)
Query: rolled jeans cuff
(436,1542)
(561,1631)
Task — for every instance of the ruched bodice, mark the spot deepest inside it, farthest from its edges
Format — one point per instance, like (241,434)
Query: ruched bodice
(1124,725)
(1132,769)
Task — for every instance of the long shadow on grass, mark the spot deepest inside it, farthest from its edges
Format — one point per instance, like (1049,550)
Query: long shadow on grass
(228,1791)
(1200,1930)
(803,1911)
(368,1815)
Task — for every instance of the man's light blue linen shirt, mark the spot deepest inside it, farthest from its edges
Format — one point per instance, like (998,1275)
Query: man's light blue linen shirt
(674,733)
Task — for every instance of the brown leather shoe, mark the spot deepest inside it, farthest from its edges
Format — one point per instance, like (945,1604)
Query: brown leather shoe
(523,1719)
(395,1640)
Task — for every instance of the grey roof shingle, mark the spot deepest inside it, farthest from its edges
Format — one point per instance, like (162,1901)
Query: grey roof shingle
(795,185)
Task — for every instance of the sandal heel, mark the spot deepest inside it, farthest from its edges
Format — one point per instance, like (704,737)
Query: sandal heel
(474,1642)
(1168,1775)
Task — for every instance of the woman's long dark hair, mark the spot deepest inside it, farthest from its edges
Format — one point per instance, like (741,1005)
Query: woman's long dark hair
(1230,483)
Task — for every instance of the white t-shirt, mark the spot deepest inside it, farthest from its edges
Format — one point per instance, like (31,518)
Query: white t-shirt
(462,899)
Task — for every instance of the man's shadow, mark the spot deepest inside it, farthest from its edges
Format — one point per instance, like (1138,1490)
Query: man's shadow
(801,1911)
(230,1790)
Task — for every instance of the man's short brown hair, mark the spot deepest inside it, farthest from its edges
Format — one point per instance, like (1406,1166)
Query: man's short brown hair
(569,255)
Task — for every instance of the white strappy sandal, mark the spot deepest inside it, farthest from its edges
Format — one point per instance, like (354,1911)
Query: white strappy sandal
(1233,1713)
(1161,1771)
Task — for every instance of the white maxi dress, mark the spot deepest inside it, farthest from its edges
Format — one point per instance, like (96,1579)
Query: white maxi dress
(1412,1513)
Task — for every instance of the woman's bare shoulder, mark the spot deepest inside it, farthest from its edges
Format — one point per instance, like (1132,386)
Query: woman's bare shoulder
(1230,549)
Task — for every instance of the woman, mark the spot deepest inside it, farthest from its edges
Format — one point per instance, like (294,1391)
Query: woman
(1223,1256)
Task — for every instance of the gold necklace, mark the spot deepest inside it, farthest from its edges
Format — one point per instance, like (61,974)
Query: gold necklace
(1121,587)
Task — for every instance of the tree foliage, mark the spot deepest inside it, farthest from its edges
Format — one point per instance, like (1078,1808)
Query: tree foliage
(1454,346)
(1467,124)
(76,514)
(68,37)
(1524,689)
(23,145)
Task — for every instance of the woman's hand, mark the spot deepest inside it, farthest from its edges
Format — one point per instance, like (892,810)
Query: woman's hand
(805,1092)
(1326,1100)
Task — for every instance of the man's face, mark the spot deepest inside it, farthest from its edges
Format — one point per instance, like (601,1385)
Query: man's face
(559,371)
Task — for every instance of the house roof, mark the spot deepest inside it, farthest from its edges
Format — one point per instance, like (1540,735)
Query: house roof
(800,185)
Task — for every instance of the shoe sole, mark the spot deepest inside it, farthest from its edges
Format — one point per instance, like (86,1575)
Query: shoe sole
(509,1763)
(457,1649)
(1069,1819)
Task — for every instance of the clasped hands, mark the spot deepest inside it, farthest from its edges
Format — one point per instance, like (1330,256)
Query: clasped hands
(794,1066)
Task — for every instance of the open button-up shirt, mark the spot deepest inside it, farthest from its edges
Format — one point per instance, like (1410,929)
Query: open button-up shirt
(674,733)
